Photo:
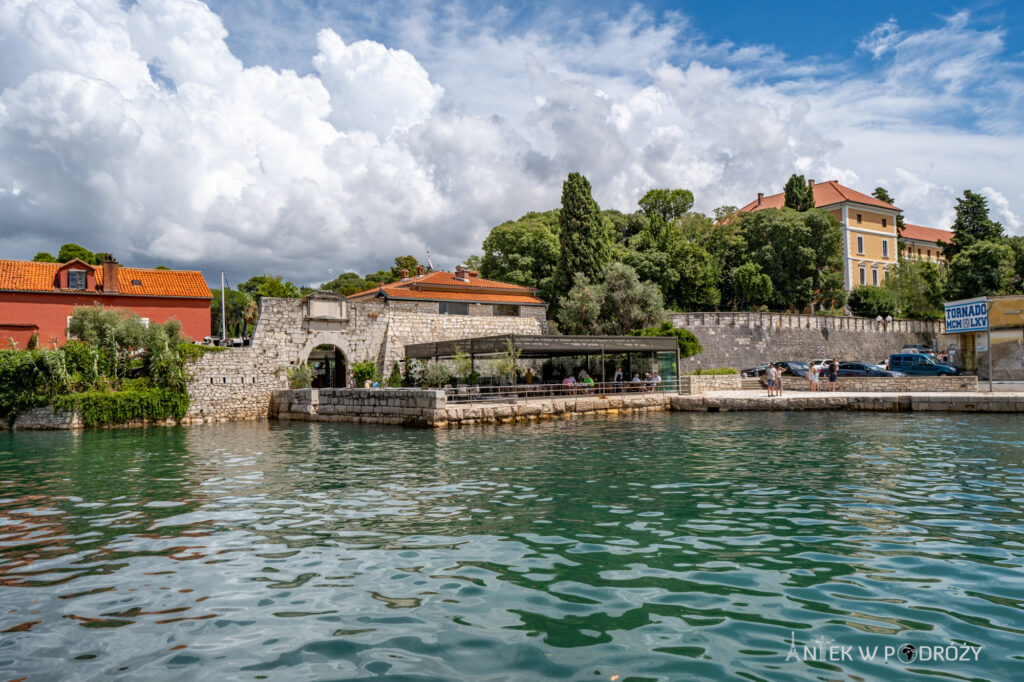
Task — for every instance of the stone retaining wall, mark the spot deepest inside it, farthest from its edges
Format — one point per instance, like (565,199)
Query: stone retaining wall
(49,419)
(878,402)
(702,383)
(430,408)
(904,384)
(744,340)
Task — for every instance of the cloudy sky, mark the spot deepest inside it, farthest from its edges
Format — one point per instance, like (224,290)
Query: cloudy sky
(310,137)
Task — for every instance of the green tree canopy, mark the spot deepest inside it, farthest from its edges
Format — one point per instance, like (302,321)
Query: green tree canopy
(404,263)
(347,283)
(523,251)
(918,287)
(583,241)
(615,303)
(753,287)
(71,251)
(273,286)
(983,269)
(871,301)
(666,204)
(799,194)
(689,344)
(972,224)
(44,257)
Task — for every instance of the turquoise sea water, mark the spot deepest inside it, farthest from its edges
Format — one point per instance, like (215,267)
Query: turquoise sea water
(665,547)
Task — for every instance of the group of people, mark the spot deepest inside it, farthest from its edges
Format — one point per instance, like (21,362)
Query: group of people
(584,383)
(773,377)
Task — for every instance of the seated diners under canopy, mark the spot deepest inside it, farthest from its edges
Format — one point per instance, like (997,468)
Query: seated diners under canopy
(596,353)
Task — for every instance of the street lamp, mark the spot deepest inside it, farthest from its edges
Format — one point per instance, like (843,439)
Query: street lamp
(888,319)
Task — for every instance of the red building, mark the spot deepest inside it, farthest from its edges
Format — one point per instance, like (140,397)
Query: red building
(39,298)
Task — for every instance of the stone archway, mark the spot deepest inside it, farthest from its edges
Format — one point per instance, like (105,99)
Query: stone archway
(329,365)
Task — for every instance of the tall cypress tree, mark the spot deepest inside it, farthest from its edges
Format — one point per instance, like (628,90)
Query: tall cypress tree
(799,195)
(584,244)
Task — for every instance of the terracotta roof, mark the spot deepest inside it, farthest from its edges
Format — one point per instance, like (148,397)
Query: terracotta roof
(443,286)
(926,234)
(19,275)
(825,194)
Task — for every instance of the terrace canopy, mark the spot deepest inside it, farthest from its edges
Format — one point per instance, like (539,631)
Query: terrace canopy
(547,346)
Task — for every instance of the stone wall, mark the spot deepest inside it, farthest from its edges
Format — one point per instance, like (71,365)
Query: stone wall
(44,418)
(238,383)
(875,402)
(428,408)
(745,340)
(904,384)
(702,383)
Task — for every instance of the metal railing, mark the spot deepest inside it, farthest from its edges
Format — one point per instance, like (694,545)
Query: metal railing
(482,393)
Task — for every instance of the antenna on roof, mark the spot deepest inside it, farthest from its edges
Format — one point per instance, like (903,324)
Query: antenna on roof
(430,266)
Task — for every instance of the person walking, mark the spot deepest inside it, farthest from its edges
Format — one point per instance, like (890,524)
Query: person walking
(833,374)
(770,375)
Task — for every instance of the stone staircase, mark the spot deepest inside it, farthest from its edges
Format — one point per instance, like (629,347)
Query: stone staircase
(751,384)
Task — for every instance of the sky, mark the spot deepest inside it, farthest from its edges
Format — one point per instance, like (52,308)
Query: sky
(309,138)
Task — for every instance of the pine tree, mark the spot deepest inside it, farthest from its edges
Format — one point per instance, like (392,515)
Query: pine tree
(972,225)
(584,244)
(799,195)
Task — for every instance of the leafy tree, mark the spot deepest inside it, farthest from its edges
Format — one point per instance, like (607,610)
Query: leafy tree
(403,263)
(666,204)
(475,262)
(362,371)
(523,251)
(983,269)
(723,213)
(800,252)
(871,301)
(753,287)
(273,286)
(881,194)
(582,236)
(918,286)
(346,284)
(71,251)
(116,332)
(1017,245)
(616,303)
(972,225)
(799,194)
(238,303)
(44,257)
(161,267)
(689,345)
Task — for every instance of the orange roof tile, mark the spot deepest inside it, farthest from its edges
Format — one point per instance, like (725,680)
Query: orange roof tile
(444,286)
(825,194)
(926,234)
(19,275)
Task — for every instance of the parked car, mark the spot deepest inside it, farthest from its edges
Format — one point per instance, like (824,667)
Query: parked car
(755,371)
(793,368)
(916,348)
(865,369)
(820,365)
(919,364)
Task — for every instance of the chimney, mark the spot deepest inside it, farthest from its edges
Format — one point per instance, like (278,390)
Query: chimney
(760,198)
(474,273)
(810,183)
(110,268)
(420,269)
(405,273)
(462,273)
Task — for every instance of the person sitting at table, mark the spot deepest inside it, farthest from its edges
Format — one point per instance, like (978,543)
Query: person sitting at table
(637,381)
(588,383)
(655,381)
(569,385)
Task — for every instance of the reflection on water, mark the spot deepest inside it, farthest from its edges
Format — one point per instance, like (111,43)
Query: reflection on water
(665,547)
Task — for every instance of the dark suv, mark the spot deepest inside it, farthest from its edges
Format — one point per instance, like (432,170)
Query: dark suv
(919,364)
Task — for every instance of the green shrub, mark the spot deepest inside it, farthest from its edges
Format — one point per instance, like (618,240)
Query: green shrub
(363,371)
(300,376)
(99,408)
(872,301)
(190,352)
(688,343)
(435,374)
(717,370)
(395,378)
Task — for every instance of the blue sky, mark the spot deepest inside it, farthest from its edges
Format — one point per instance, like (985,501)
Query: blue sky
(309,138)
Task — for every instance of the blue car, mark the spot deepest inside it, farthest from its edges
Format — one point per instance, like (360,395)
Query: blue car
(919,364)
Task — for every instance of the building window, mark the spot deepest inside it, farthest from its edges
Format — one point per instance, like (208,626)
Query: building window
(860,245)
(506,310)
(860,218)
(874,277)
(863,277)
(136,282)
(76,279)
(885,248)
(884,223)
(145,322)
(446,308)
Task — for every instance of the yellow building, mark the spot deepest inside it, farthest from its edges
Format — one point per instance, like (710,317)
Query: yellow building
(869,229)
(924,243)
